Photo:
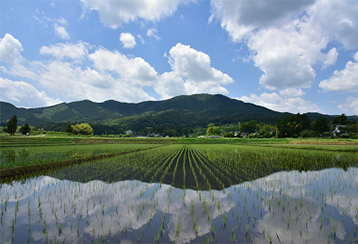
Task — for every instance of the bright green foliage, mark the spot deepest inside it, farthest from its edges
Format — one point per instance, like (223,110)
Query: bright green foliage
(229,134)
(84,129)
(291,126)
(213,131)
(12,125)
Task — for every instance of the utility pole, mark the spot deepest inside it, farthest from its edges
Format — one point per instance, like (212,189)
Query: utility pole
(331,130)
(276,133)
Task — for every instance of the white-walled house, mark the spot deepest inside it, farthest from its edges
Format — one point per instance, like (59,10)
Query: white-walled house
(336,130)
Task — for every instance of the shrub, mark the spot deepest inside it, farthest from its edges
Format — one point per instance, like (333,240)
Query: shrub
(308,133)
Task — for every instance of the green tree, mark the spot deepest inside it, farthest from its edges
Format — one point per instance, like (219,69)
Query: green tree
(25,129)
(84,129)
(213,131)
(68,128)
(210,125)
(293,125)
(340,120)
(12,125)
(320,125)
(248,127)
(185,131)
(355,127)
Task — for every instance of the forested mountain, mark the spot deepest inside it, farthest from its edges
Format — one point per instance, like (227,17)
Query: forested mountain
(181,111)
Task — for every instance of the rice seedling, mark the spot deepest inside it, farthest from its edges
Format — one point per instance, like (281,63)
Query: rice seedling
(60,229)
(177,229)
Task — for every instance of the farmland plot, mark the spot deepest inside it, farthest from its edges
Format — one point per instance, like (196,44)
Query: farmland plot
(189,193)
(23,156)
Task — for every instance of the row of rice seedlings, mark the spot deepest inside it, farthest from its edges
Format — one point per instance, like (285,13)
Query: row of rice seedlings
(212,174)
(177,164)
(170,164)
(147,161)
(184,173)
(202,175)
(263,162)
(222,160)
(169,159)
(192,169)
(214,167)
(223,171)
(108,169)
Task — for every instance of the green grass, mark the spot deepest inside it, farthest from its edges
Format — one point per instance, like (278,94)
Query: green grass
(21,156)
(22,150)
(233,140)
(320,147)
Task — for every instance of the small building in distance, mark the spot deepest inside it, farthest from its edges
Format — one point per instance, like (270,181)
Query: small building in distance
(244,134)
(129,132)
(336,130)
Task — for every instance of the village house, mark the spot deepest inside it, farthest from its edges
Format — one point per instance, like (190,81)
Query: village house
(336,130)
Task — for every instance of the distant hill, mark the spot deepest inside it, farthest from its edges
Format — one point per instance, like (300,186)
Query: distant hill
(186,110)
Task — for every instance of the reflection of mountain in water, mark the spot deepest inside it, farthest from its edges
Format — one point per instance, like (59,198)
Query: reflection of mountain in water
(297,206)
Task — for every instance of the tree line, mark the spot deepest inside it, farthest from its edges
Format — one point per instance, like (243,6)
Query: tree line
(297,125)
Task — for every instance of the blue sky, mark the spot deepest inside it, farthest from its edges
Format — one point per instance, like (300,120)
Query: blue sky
(294,56)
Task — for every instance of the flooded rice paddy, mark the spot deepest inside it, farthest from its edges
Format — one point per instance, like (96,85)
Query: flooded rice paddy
(208,194)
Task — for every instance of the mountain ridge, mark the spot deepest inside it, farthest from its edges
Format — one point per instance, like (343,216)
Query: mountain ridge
(188,110)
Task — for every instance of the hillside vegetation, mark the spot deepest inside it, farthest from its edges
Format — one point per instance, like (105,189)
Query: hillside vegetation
(186,110)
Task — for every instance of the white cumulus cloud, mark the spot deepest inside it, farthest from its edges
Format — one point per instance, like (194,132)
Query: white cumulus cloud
(74,83)
(285,56)
(343,80)
(114,13)
(286,38)
(20,70)
(350,105)
(151,33)
(275,102)
(191,73)
(292,92)
(331,58)
(355,56)
(62,50)
(240,18)
(128,40)
(61,32)
(10,49)
(135,71)
(24,94)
